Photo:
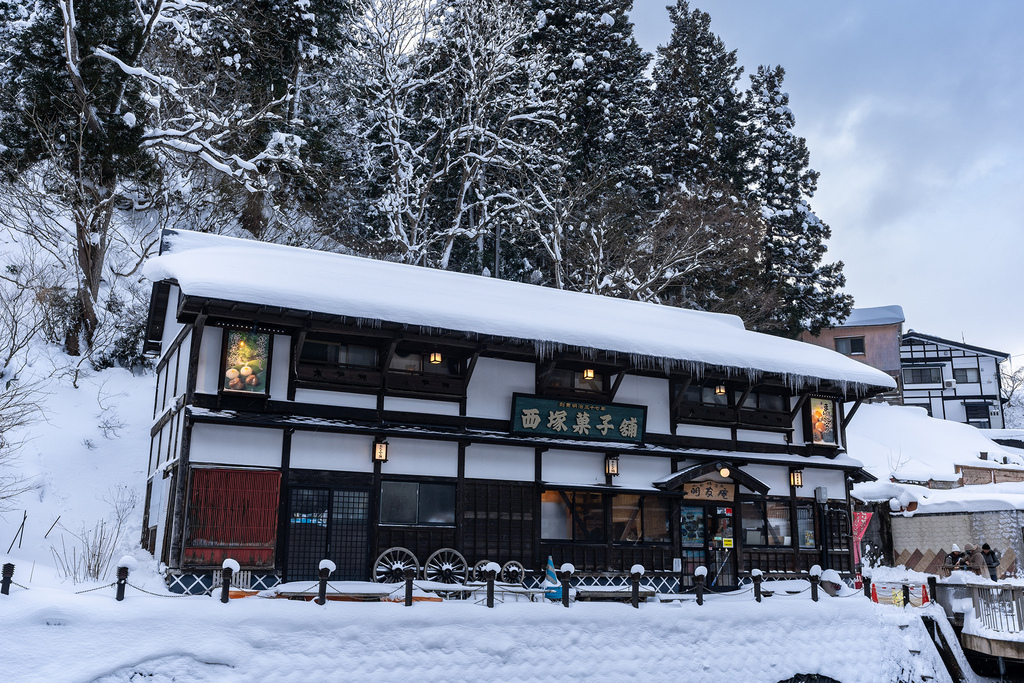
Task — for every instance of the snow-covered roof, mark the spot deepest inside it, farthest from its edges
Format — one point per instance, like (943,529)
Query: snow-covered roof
(652,335)
(904,442)
(878,315)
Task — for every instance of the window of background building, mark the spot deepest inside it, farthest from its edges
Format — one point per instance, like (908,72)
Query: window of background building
(850,346)
(966,375)
(922,376)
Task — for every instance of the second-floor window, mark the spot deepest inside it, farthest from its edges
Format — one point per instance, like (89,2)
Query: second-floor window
(333,353)
(850,346)
(966,375)
(922,376)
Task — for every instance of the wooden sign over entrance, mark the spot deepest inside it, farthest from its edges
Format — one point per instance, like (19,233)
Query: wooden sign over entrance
(709,490)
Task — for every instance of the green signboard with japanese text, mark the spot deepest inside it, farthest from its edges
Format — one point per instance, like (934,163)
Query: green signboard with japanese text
(578,419)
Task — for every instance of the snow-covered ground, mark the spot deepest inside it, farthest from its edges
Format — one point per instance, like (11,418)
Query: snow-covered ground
(51,634)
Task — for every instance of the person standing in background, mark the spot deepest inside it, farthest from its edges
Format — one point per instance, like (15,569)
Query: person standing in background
(992,560)
(975,560)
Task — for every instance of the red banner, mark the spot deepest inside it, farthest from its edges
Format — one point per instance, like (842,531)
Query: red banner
(860,526)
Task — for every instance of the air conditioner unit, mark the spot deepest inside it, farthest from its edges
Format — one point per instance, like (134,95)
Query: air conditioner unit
(949,384)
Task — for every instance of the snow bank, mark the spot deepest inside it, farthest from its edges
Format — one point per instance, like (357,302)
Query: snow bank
(52,635)
(655,336)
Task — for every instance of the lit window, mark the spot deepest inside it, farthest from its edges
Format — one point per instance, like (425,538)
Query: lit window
(765,523)
(572,516)
(640,518)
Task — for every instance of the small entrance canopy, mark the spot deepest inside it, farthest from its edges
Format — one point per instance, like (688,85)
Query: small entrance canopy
(690,473)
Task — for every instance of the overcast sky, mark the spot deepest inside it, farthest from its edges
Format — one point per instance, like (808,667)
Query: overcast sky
(913,113)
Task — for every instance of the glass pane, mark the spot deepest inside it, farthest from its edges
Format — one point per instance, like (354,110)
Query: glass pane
(752,523)
(588,522)
(449,365)
(555,520)
(319,352)
(709,396)
(398,502)
(246,366)
(751,400)
(437,504)
(656,518)
(364,356)
(560,379)
(843,346)
(409,362)
(626,518)
(857,345)
(778,523)
(692,394)
(596,384)
(823,420)
(805,526)
(691,526)
(772,402)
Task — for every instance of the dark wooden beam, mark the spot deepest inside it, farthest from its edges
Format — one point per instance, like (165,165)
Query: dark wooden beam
(849,415)
(798,407)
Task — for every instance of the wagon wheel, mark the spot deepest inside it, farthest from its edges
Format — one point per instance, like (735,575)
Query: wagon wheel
(513,572)
(478,570)
(446,565)
(391,565)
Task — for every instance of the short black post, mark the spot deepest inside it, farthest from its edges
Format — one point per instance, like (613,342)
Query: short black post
(321,596)
(699,580)
(410,574)
(5,584)
(757,585)
(867,586)
(814,587)
(489,575)
(563,578)
(906,595)
(225,584)
(122,581)
(933,586)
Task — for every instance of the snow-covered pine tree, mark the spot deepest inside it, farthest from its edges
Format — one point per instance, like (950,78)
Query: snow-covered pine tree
(782,183)
(603,96)
(697,115)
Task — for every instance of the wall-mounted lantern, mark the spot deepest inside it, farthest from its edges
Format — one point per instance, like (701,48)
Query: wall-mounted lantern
(380,450)
(435,357)
(720,390)
(611,465)
(796,478)
(588,374)
(724,471)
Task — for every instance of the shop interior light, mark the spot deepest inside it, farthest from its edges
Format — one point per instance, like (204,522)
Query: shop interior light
(380,450)
(796,478)
(611,465)
(720,390)
(588,374)
(435,357)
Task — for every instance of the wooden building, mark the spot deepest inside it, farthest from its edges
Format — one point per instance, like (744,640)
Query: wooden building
(312,405)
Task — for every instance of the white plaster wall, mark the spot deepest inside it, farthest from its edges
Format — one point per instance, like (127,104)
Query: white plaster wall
(760,437)
(336,398)
(640,471)
(493,382)
(703,431)
(422,457)
(158,511)
(834,480)
(171,325)
(798,422)
(181,358)
(652,392)
(208,377)
(508,463)
(323,451)
(415,405)
(231,445)
(775,476)
(572,467)
(280,360)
